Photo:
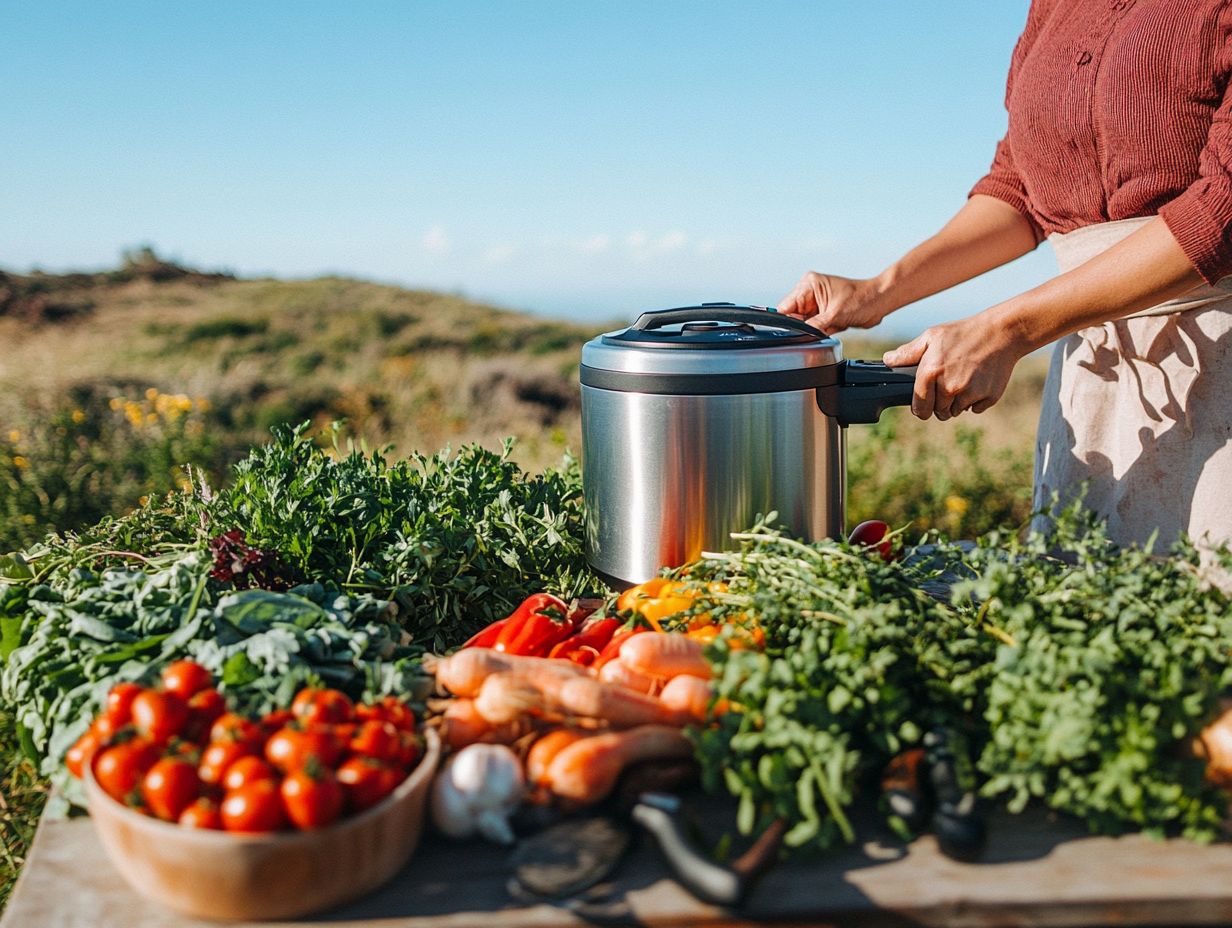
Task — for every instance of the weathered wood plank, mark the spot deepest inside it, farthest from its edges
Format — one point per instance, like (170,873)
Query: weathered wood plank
(1036,872)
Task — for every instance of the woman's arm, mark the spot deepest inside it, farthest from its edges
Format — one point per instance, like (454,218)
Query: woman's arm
(967,364)
(986,233)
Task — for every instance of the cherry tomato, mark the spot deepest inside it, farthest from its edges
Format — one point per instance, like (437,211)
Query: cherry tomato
(218,756)
(120,702)
(184,678)
(169,786)
(377,739)
(254,807)
(120,768)
(272,721)
(105,727)
(201,813)
(290,748)
(366,782)
(312,797)
(872,534)
(236,728)
(205,707)
(408,753)
(80,754)
(322,706)
(159,715)
(389,709)
(247,770)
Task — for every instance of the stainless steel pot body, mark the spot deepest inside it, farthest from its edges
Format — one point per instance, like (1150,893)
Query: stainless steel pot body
(668,477)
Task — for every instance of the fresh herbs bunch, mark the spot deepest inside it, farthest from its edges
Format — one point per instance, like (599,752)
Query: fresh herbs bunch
(457,540)
(1115,661)
(858,663)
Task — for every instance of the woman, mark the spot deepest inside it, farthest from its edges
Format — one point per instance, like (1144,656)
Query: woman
(1119,151)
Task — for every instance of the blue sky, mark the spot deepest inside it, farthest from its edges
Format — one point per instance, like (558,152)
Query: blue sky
(582,159)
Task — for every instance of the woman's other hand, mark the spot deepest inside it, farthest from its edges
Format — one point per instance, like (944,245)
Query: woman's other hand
(833,303)
(960,366)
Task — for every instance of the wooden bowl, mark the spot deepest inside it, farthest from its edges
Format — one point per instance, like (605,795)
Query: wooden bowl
(216,874)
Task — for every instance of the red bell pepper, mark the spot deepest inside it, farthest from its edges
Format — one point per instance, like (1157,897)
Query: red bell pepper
(486,637)
(584,645)
(612,648)
(535,627)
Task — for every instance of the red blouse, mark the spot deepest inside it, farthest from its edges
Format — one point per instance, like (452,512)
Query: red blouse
(1122,108)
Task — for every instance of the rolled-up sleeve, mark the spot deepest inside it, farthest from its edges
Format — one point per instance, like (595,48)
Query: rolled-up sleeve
(1003,180)
(1201,217)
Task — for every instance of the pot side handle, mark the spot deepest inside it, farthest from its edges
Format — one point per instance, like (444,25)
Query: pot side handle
(865,389)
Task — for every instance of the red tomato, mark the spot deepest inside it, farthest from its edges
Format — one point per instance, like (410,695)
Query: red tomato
(218,756)
(312,798)
(236,728)
(366,782)
(169,786)
(184,678)
(872,534)
(247,770)
(321,706)
(254,807)
(272,721)
(158,716)
(120,702)
(80,754)
(291,748)
(377,739)
(201,813)
(389,709)
(105,727)
(120,768)
(409,751)
(205,707)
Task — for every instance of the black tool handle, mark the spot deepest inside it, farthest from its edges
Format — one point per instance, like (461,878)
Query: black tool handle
(723,312)
(866,389)
(705,879)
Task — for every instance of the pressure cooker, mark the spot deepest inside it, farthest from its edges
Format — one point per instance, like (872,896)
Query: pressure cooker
(698,420)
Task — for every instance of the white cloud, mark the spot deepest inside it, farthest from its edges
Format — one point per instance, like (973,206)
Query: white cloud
(436,241)
(499,253)
(637,240)
(671,241)
(596,244)
(707,246)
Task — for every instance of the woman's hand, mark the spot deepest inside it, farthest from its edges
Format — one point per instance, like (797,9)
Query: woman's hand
(832,303)
(959,365)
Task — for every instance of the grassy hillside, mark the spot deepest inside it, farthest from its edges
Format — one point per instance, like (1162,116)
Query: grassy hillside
(111,381)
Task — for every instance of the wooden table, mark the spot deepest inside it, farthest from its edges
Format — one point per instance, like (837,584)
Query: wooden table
(1035,872)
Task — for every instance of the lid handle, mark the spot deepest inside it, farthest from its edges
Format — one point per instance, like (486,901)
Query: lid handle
(722,312)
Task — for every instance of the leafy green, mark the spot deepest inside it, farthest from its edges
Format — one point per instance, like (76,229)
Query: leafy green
(99,629)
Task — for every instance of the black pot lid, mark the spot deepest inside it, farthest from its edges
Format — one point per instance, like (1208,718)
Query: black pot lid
(715,325)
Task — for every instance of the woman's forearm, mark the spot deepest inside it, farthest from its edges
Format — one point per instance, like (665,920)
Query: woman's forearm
(984,234)
(1146,268)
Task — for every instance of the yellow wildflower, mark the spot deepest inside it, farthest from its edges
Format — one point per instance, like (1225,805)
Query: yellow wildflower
(14,436)
(79,416)
(116,403)
(203,405)
(151,394)
(143,501)
(20,462)
(957,505)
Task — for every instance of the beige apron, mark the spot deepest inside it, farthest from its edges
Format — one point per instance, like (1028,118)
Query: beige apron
(1140,411)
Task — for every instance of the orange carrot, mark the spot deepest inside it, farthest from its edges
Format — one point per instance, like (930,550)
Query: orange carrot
(463,673)
(690,696)
(505,697)
(586,770)
(461,725)
(619,707)
(544,751)
(619,674)
(665,655)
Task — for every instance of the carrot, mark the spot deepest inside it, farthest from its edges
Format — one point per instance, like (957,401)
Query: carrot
(586,770)
(618,673)
(463,672)
(665,655)
(619,707)
(545,750)
(690,696)
(507,696)
(461,725)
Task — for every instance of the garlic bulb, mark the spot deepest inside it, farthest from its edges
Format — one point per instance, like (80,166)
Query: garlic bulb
(477,791)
